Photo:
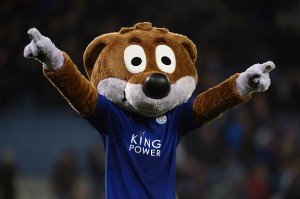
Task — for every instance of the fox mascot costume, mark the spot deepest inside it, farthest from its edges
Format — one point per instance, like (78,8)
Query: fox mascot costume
(138,97)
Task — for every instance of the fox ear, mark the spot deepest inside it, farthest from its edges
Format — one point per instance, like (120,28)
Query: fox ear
(93,51)
(188,45)
(191,49)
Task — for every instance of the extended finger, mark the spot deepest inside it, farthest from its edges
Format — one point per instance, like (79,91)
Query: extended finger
(31,50)
(268,66)
(27,52)
(34,34)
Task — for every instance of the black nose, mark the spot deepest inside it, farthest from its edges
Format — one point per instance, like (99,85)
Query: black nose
(156,86)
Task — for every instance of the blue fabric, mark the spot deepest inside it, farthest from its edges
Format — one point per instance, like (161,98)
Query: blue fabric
(140,151)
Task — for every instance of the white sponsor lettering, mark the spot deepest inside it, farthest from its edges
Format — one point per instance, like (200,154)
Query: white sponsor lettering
(133,139)
(146,146)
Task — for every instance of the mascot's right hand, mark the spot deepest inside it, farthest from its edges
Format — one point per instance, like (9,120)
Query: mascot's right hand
(42,49)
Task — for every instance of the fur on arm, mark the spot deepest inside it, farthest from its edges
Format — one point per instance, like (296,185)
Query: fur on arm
(210,104)
(78,91)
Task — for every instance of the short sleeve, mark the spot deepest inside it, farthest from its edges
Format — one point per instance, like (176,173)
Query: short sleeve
(100,117)
(185,118)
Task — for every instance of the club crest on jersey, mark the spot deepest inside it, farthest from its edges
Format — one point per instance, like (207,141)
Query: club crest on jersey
(162,119)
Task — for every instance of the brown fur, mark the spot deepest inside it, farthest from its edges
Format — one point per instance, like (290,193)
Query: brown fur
(110,62)
(79,92)
(103,58)
(211,104)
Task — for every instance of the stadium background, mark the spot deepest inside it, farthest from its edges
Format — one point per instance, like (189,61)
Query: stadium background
(251,152)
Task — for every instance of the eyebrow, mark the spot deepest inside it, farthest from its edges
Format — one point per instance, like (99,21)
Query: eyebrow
(135,40)
(160,40)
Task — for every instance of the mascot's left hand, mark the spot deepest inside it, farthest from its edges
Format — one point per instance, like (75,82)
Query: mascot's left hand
(255,79)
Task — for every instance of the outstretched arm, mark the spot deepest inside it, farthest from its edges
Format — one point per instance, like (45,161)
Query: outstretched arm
(62,72)
(232,92)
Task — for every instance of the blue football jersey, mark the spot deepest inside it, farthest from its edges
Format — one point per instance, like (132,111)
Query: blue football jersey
(141,151)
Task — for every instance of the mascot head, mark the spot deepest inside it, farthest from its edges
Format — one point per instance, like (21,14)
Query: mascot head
(143,69)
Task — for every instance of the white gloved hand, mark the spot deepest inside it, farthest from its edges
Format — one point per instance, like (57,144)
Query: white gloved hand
(42,49)
(255,79)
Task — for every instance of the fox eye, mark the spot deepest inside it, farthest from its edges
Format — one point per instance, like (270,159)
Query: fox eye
(165,58)
(135,59)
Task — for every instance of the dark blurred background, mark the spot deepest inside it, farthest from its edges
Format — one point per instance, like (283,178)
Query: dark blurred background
(251,152)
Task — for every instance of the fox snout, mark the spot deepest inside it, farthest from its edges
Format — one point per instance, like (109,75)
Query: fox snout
(156,86)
